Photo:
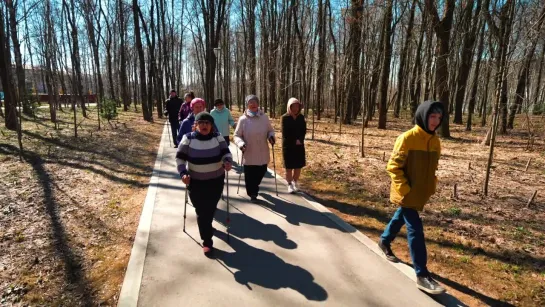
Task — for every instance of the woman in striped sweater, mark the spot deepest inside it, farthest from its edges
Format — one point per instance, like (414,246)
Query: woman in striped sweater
(207,157)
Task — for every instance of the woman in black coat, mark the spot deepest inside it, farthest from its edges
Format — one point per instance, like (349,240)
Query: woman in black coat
(294,128)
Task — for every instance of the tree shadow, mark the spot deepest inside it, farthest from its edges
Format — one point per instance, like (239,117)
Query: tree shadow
(531,262)
(245,227)
(121,158)
(380,215)
(334,143)
(298,214)
(73,267)
(267,270)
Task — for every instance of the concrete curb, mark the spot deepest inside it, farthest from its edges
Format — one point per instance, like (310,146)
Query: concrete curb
(133,275)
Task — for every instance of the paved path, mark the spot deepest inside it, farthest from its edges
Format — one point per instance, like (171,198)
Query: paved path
(285,251)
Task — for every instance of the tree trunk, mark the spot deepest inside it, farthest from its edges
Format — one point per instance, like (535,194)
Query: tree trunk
(90,12)
(19,69)
(538,86)
(321,58)
(386,45)
(10,103)
(75,56)
(403,61)
(524,71)
(142,61)
(467,57)
(442,31)
(123,59)
(416,81)
(473,95)
(353,58)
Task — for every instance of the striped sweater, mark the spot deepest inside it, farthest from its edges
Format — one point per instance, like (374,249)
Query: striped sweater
(204,155)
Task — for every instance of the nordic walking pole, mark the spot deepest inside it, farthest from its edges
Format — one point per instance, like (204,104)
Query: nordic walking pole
(185,205)
(240,175)
(274,166)
(228,218)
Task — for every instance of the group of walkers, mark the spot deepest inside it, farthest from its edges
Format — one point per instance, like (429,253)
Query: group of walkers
(203,153)
(203,158)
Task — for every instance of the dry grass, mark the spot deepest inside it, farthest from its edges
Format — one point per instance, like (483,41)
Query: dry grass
(70,209)
(486,250)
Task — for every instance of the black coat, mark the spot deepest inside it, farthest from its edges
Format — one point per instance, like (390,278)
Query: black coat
(293,130)
(172,106)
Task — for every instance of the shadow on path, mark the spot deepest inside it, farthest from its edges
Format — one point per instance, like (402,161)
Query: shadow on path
(267,270)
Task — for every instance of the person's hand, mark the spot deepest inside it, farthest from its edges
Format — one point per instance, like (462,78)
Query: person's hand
(298,142)
(228,166)
(186,179)
(243,148)
(272,140)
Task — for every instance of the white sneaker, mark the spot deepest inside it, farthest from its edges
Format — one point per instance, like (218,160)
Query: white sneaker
(295,186)
(291,190)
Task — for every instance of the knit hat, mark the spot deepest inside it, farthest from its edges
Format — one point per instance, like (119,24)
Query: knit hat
(218,102)
(250,98)
(172,90)
(197,100)
(204,116)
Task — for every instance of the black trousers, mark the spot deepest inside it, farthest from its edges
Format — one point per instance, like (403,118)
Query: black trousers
(204,195)
(174,126)
(253,174)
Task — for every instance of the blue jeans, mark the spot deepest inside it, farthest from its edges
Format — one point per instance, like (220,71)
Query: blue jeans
(415,236)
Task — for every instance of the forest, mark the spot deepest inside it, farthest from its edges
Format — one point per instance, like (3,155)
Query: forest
(87,69)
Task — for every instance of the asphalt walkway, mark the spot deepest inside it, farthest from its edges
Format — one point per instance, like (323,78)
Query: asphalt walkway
(285,251)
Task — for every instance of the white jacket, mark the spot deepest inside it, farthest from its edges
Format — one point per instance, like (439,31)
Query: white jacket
(254,132)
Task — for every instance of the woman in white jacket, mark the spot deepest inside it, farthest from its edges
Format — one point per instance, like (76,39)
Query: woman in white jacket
(253,131)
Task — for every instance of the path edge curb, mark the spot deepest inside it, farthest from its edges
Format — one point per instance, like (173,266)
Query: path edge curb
(130,290)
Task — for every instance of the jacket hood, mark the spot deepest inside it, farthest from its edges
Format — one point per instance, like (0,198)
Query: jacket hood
(424,110)
(292,101)
(250,97)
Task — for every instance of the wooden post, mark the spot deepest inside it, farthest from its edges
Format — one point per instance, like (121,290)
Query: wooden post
(469,166)
(531,199)
(383,156)
(527,164)
(455,193)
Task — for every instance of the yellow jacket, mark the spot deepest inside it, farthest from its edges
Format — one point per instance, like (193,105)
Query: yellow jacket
(412,167)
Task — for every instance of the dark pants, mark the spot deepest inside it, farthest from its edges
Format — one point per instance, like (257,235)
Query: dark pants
(204,195)
(227,140)
(415,236)
(174,126)
(253,174)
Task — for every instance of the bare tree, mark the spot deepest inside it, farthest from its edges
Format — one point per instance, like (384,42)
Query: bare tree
(470,24)
(142,61)
(535,32)
(386,46)
(442,29)
(10,101)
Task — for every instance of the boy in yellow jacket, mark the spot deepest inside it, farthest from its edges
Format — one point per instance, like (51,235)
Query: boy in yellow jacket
(412,167)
